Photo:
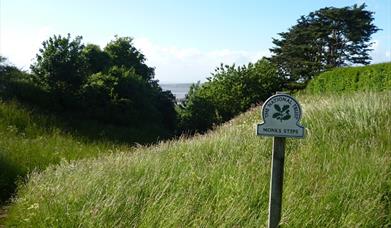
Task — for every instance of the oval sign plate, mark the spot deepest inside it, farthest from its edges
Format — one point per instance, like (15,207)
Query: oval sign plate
(281,115)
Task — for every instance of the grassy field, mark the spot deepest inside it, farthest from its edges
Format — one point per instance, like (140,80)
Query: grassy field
(338,176)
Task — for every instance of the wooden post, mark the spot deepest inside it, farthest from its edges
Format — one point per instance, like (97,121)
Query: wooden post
(281,116)
(277,178)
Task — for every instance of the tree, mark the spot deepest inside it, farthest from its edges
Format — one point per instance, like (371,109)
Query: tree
(96,59)
(327,38)
(4,66)
(123,54)
(197,113)
(230,91)
(2,61)
(59,67)
(114,86)
(121,96)
(235,89)
(9,72)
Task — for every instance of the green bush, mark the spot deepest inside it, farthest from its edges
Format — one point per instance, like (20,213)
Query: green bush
(113,86)
(16,84)
(123,97)
(198,113)
(96,59)
(375,77)
(230,91)
(60,66)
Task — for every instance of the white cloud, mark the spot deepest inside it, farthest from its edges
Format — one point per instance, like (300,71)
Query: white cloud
(175,64)
(20,46)
(380,52)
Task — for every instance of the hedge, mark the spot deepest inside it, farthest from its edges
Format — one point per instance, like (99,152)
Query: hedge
(375,77)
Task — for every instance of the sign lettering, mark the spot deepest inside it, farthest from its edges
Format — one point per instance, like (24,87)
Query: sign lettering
(281,114)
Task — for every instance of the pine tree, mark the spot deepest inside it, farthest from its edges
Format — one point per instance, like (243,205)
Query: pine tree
(327,38)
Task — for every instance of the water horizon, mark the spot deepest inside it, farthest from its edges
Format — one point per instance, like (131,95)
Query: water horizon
(179,90)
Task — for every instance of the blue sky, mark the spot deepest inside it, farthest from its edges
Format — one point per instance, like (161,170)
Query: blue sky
(184,40)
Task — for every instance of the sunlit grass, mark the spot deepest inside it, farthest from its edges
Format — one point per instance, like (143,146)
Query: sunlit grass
(338,176)
(31,141)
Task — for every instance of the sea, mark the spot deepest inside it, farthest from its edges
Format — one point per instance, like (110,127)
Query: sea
(179,90)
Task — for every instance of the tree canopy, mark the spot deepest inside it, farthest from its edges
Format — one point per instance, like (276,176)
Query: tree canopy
(59,66)
(329,37)
(229,91)
(123,53)
(96,59)
(113,85)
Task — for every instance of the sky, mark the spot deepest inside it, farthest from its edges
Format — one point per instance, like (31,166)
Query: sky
(184,40)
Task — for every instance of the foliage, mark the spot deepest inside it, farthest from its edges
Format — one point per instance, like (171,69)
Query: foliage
(221,179)
(327,38)
(16,84)
(8,71)
(124,97)
(96,60)
(230,91)
(349,79)
(113,85)
(59,66)
(123,54)
(197,113)
(282,113)
(118,89)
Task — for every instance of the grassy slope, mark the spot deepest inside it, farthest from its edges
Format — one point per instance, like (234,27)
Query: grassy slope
(338,176)
(27,143)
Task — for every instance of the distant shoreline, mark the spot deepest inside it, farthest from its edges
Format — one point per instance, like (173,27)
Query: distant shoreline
(179,90)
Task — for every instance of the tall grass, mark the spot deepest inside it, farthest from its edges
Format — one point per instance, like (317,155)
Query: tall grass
(338,176)
(31,141)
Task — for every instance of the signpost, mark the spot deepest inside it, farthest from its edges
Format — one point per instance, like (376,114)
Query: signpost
(281,114)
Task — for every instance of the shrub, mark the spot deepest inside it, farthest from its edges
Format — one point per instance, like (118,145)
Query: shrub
(114,86)
(198,113)
(348,79)
(230,91)
(123,97)
(60,67)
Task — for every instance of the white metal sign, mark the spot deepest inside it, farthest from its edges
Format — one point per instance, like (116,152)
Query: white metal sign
(281,114)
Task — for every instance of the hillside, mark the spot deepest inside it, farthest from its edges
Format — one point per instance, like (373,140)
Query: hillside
(338,176)
(31,140)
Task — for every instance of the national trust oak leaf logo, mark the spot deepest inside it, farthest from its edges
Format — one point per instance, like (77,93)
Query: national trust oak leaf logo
(282,113)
